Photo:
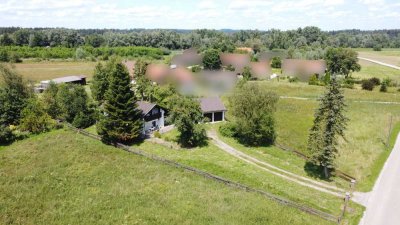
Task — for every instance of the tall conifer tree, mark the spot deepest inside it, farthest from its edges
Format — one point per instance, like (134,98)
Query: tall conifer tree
(121,120)
(329,123)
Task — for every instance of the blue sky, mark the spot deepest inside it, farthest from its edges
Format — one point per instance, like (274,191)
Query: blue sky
(192,14)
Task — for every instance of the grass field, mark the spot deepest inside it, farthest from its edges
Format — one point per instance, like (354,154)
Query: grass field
(365,137)
(65,178)
(387,55)
(45,70)
(369,70)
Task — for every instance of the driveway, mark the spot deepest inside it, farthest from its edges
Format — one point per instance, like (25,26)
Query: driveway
(383,204)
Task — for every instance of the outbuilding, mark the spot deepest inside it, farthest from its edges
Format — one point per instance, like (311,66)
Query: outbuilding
(213,109)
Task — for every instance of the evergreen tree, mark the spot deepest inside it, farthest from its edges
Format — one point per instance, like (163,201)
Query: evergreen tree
(14,94)
(99,84)
(329,123)
(121,120)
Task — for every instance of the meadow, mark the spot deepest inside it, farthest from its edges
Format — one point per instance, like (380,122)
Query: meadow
(386,55)
(45,70)
(63,177)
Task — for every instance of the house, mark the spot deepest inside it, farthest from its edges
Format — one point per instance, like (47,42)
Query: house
(157,73)
(303,69)
(261,70)
(153,116)
(76,79)
(238,61)
(213,108)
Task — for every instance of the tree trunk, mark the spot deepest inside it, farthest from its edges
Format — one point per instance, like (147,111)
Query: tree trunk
(326,172)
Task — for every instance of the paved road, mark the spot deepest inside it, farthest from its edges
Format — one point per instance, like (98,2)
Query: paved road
(380,63)
(383,204)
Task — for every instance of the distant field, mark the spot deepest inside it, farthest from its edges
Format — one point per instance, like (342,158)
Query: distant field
(369,69)
(66,178)
(45,70)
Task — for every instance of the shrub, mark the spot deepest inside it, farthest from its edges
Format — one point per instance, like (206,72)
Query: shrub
(83,120)
(348,83)
(14,58)
(377,47)
(6,135)
(3,56)
(376,81)
(276,62)
(383,87)
(367,85)
(389,82)
(314,80)
(196,68)
(293,79)
(34,118)
(227,130)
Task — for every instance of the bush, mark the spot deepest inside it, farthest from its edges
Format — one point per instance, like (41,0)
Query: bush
(6,135)
(3,56)
(377,47)
(14,58)
(389,82)
(376,81)
(276,62)
(367,85)
(196,69)
(314,80)
(293,79)
(227,130)
(34,118)
(83,120)
(348,83)
(383,87)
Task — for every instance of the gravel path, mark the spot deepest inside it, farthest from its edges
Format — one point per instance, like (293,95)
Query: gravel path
(304,181)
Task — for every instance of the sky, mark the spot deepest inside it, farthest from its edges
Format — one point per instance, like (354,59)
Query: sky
(196,14)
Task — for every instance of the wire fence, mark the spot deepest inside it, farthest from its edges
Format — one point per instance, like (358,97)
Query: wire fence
(338,173)
(309,210)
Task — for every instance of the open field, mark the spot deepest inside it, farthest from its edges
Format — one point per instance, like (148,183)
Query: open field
(390,56)
(37,71)
(365,138)
(212,159)
(65,178)
(370,69)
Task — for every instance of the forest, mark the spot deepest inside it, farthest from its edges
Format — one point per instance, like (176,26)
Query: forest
(225,40)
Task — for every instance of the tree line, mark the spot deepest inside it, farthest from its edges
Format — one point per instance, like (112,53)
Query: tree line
(203,38)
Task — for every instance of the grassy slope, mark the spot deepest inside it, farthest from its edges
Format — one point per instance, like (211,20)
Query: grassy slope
(391,56)
(214,160)
(369,70)
(37,71)
(368,128)
(66,178)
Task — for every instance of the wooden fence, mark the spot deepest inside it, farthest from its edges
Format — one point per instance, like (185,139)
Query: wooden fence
(234,184)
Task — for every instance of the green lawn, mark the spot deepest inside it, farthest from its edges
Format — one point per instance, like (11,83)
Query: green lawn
(65,178)
(214,160)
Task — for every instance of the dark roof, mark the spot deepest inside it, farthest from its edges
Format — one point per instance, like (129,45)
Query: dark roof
(145,107)
(211,104)
(67,79)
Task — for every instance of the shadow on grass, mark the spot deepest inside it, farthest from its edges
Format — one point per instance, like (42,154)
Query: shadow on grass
(315,171)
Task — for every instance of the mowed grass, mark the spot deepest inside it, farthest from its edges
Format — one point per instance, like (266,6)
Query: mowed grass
(65,178)
(45,70)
